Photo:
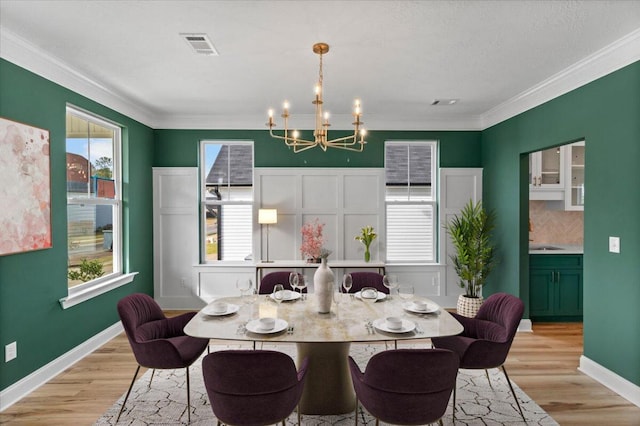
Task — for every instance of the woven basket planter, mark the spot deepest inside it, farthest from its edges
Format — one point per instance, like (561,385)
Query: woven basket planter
(468,306)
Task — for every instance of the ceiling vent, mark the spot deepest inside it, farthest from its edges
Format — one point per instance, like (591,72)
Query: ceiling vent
(444,102)
(200,43)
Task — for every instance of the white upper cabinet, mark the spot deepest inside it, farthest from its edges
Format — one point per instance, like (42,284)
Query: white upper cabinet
(574,188)
(547,174)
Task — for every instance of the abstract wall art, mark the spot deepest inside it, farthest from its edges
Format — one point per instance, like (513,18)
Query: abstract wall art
(25,192)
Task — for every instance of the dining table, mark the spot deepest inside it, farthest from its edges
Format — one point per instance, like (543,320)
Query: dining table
(324,338)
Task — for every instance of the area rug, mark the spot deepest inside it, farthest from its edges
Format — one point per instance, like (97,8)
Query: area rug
(165,402)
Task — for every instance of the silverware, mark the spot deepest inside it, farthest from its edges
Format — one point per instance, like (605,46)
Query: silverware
(242,328)
(369,326)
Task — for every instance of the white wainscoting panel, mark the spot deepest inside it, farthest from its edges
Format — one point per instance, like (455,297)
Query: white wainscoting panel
(175,236)
(457,187)
(220,281)
(344,199)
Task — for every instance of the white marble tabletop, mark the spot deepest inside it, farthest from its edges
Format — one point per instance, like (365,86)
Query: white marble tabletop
(347,322)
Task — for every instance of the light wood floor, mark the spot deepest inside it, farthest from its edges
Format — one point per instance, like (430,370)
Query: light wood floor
(543,363)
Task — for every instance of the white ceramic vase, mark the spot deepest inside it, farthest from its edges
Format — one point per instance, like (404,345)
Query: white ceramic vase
(323,280)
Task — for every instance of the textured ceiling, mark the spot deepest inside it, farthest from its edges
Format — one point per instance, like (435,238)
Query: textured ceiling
(396,56)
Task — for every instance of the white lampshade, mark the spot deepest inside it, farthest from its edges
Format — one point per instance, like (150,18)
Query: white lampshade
(267,216)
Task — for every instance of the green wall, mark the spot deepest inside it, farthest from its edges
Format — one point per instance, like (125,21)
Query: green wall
(32,283)
(606,113)
(179,148)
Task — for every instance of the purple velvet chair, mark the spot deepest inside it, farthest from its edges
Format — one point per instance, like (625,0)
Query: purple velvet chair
(158,341)
(406,386)
(487,338)
(367,279)
(252,387)
(272,278)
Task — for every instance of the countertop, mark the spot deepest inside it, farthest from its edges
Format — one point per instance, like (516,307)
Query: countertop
(539,248)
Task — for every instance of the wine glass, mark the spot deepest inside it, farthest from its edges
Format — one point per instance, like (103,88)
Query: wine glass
(405,292)
(244,285)
(337,298)
(390,282)
(347,282)
(293,280)
(302,284)
(278,293)
(369,295)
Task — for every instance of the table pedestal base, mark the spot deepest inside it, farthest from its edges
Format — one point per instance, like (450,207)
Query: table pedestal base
(328,388)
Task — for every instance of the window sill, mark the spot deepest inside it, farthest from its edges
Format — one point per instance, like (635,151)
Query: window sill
(96,290)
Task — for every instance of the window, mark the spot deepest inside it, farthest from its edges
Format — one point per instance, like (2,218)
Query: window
(227,200)
(410,197)
(93,200)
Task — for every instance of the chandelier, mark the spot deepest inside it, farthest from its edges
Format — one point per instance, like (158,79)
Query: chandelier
(354,142)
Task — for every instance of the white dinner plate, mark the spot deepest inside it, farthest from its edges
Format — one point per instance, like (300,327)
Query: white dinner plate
(381,296)
(289,296)
(429,309)
(381,324)
(231,309)
(254,326)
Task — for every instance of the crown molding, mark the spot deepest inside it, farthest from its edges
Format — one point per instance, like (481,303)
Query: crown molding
(24,54)
(615,56)
(307,121)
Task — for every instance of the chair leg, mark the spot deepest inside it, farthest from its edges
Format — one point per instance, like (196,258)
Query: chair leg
(188,397)
(128,392)
(453,408)
(504,370)
(488,379)
(151,379)
(377,421)
(356,413)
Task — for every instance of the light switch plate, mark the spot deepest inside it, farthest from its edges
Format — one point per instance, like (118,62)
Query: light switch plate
(614,244)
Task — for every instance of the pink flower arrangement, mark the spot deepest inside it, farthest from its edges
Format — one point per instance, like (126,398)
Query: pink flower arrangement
(312,240)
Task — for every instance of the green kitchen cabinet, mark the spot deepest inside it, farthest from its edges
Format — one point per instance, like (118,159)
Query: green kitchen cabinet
(555,283)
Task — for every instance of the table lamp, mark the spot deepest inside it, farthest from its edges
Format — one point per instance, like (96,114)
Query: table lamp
(267,217)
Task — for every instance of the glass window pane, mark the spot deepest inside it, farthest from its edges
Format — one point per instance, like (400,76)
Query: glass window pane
(410,196)
(409,166)
(90,153)
(90,240)
(228,198)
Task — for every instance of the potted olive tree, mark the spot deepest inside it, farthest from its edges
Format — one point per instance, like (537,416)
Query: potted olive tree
(473,259)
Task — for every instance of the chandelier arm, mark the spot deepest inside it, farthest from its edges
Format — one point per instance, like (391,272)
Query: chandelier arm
(291,141)
(354,140)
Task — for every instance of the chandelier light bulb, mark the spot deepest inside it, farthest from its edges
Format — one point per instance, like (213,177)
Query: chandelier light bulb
(295,134)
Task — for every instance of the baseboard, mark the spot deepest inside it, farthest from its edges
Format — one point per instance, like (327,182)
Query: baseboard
(618,384)
(28,384)
(525,325)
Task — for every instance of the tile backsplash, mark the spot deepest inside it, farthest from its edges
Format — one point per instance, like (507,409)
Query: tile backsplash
(555,226)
